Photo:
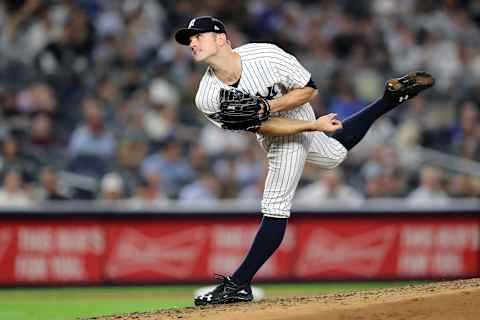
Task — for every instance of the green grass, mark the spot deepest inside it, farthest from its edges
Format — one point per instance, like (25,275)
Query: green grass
(73,303)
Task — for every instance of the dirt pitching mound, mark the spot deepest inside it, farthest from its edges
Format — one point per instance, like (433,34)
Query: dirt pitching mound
(452,300)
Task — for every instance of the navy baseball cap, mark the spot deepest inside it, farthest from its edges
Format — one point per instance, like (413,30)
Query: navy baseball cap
(199,25)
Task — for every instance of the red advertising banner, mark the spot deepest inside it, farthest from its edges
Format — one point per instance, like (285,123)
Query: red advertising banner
(179,250)
(388,248)
(193,249)
(51,253)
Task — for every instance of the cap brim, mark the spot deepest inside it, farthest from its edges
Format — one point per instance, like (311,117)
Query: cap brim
(182,36)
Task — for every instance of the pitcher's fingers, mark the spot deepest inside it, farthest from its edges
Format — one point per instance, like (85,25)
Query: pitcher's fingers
(331,115)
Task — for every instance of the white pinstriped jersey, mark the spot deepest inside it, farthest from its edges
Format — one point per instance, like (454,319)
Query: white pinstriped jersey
(267,71)
(270,72)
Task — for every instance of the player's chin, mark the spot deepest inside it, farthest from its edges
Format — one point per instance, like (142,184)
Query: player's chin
(198,57)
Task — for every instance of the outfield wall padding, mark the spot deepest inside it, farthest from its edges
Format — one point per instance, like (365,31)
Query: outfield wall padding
(75,248)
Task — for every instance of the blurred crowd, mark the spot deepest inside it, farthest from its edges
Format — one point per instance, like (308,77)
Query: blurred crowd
(96,99)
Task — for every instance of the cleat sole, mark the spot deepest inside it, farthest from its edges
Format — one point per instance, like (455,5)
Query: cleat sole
(411,79)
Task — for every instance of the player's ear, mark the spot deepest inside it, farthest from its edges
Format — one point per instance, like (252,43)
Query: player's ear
(222,39)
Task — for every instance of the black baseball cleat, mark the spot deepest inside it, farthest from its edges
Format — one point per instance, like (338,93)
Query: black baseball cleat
(226,292)
(408,86)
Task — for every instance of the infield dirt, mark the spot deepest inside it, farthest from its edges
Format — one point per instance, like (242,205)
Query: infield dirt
(451,300)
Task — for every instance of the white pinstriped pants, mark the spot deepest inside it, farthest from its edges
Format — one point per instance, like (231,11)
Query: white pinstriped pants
(286,159)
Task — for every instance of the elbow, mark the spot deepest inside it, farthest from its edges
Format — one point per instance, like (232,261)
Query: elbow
(310,94)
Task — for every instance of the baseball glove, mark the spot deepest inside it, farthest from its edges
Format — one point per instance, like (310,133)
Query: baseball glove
(241,111)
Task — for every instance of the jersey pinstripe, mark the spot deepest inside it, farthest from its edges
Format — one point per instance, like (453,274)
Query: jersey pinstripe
(270,72)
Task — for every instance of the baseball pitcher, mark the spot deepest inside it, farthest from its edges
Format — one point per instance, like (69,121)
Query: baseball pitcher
(260,88)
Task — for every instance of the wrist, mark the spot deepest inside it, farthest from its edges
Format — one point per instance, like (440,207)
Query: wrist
(310,126)
(273,103)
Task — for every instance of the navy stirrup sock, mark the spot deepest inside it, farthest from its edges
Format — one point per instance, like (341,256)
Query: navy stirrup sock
(356,126)
(268,239)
